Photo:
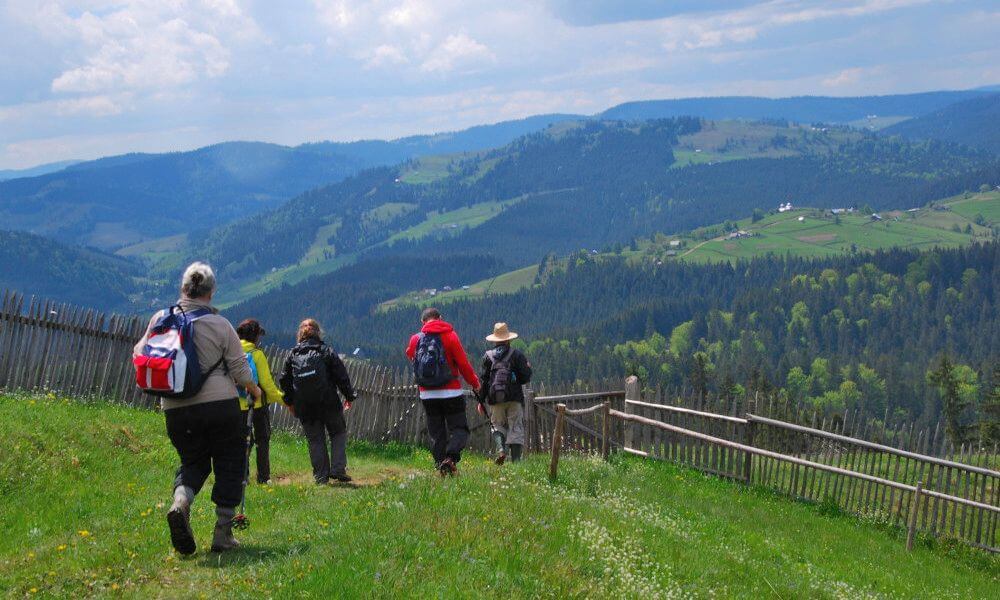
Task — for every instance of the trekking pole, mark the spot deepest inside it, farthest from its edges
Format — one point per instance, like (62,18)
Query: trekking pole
(241,521)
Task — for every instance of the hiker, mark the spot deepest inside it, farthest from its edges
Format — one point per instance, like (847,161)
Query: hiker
(250,332)
(311,377)
(438,359)
(505,371)
(206,428)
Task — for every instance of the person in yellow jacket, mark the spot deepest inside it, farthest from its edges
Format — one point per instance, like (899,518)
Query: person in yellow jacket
(250,333)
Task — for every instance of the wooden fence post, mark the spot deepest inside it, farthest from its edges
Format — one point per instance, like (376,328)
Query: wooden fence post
(748,459)
(632,392)
(606,430)
(557,440)
(531,426)
(911,529)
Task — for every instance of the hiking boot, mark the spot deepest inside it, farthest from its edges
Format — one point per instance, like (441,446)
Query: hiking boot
(501,458)
(222,538)
(179,522)
(447,467)
(342,478)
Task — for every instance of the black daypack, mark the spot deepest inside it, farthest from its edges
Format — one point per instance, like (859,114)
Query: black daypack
(430,364)
(310,381)
(501,377)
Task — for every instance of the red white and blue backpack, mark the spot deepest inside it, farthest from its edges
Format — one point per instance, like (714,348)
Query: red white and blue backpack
(168,366)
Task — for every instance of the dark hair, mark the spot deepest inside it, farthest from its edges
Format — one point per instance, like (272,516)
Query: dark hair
(250,330)
(309,328)
(429,313)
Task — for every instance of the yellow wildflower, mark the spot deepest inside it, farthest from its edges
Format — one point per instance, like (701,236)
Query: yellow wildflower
(84,533)
(61,547)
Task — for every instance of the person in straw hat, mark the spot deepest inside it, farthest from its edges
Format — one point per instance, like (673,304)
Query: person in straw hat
(505,371)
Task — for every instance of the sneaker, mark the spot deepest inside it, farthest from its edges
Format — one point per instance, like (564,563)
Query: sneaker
(181,536)
(501,458)
(342,478)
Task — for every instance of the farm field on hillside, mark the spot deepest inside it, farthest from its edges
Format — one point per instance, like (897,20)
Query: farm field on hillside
(816,236)
(503,283)
(630,527)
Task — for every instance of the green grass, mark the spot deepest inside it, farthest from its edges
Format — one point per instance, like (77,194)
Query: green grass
(985,204)
(452,221)
(429,169)
(818,236)
(501,284)
(83,489)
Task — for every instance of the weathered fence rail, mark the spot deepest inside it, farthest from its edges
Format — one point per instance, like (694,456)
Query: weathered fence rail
(959,500)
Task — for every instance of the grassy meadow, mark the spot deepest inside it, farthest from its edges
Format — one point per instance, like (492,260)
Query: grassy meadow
(84,489)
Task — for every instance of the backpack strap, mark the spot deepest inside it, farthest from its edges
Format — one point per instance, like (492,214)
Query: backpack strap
(508,356)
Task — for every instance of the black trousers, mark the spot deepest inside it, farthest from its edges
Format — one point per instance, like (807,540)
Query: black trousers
(209,437)
(448,427)
(261,423)
(327,461)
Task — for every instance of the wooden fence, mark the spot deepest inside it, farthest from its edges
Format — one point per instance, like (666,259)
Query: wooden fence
(960,500)
(51,347)
(929,439)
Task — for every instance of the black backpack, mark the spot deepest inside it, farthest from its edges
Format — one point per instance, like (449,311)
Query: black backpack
(430,364)
(501,377)
(310,380)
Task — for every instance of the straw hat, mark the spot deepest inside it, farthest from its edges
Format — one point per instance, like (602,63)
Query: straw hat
(501,334)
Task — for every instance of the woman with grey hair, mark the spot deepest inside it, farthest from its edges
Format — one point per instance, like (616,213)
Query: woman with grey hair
(207,428)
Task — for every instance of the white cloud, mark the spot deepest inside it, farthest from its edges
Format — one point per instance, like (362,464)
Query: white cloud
(145,44)
(387,54)
(95,70)
(456,52)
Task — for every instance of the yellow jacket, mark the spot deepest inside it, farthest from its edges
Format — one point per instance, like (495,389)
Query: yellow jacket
(271,392)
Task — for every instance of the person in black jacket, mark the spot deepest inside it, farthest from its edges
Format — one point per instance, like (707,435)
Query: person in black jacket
(505,371)
(310,380)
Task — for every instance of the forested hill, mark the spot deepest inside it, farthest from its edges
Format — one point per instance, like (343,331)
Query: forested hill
(583,185)
(120,200)
(35,265)
(975,123)
(835,332)
(802,109)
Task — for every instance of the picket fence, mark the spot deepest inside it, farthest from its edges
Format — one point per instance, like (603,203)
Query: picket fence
(57,348)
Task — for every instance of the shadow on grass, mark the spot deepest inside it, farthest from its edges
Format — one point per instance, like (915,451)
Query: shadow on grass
(248,554)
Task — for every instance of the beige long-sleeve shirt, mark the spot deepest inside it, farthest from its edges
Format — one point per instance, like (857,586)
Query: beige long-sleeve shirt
(214,338)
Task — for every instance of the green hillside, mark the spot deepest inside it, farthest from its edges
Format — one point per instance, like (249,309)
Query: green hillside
(585,184)
(84,487)
(36,265)
(948,223)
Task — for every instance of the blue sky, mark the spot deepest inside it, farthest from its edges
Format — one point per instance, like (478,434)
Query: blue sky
(81,79)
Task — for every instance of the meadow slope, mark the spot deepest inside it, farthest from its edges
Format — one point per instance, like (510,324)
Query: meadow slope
(82,488)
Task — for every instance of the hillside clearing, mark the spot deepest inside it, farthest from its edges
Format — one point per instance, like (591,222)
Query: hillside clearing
(84,485)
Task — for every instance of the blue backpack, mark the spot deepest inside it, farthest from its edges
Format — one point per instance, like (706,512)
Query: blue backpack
(430,363)
(168,366)
(253,375)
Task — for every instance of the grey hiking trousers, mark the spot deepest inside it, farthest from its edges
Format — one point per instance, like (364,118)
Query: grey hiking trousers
(508,419)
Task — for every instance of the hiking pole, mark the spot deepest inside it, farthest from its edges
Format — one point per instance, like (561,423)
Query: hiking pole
(240,521)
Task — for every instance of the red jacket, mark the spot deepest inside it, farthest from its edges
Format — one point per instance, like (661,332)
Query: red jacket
(457,360)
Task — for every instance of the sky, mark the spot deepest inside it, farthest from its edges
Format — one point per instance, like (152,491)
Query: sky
(83,79)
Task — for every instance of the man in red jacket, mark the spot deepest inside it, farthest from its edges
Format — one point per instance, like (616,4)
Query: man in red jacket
(445,404)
